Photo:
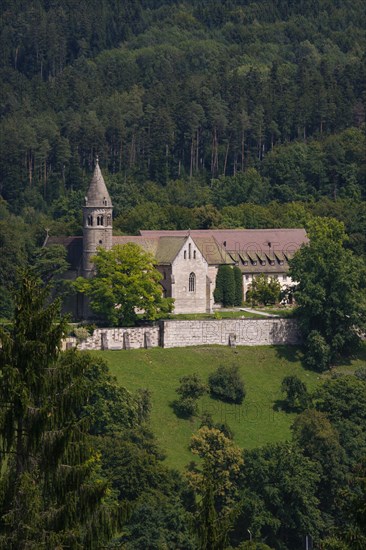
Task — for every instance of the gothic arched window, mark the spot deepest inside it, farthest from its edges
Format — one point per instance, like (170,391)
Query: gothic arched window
(192,282)
(90,220)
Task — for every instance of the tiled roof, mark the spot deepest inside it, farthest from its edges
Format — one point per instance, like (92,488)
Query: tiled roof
(97,194)
(244,240)
(168,249)
(150,245)
(210,249)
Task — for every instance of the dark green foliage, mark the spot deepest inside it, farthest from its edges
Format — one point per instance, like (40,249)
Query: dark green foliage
(360,373)
(191,386)
(190,390)
(297,396)
(320,441)
(224,292)
(47,460)
(279,502)
(185,407)
(317,352)
(111,408)
(159,521)
(331,293)
(226,384)
(238,277)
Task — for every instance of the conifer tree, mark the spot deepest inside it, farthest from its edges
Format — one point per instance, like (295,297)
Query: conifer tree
(51,494)
(224,292)
(238,276)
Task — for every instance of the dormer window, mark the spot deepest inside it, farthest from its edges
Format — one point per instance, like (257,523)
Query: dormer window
(105,201)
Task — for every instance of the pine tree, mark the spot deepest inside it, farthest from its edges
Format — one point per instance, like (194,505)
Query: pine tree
(51,494)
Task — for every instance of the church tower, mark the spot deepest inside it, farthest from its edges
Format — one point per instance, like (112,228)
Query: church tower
(97,220)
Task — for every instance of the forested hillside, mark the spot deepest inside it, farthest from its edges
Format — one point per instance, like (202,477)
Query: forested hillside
(204,114)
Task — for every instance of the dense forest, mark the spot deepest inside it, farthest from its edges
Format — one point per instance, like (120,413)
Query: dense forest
(203,113)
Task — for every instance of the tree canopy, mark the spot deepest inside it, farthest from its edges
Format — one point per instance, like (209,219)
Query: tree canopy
(125,282)
(331,293)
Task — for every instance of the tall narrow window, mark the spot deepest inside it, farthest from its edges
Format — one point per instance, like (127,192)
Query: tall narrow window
(185,254)
(189,251)
(192,282)
(194,254)
(101,220)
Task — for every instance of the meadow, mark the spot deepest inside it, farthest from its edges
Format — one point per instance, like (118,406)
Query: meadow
(259,420)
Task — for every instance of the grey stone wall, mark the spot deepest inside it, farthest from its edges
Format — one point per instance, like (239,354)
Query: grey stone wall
(173,334)
(118,338)
(241,332)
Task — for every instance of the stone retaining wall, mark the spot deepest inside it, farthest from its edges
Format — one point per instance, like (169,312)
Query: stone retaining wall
(241,332)
(173,334)
(119,338)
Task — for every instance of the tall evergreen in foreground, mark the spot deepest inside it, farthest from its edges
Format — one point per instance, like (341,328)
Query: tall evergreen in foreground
(51,494)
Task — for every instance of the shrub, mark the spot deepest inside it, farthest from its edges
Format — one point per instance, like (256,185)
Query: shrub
(317,352)
(297,396)
(81,333)
(361,373)
(185,407)
(227,385)
(191,386)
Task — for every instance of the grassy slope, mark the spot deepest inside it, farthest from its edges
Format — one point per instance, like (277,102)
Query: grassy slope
(254,423)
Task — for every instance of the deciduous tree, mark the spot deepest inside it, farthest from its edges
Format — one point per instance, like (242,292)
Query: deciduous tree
(331,293)
(125,281)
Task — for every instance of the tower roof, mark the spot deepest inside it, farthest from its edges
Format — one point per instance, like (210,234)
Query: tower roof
(97,194)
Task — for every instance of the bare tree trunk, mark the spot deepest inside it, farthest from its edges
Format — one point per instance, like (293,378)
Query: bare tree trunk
(191,162)
(226,157)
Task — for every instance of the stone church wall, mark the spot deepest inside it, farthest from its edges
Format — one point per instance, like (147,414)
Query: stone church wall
(173,334)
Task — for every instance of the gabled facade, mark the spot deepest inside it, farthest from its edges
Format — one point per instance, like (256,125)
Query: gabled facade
(187,260)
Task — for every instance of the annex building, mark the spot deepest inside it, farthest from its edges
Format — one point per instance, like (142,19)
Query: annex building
(187,260)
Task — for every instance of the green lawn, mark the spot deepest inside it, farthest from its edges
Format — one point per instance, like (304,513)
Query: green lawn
(254,423)
(237,314)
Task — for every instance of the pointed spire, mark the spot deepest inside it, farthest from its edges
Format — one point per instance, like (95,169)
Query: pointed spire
(98,193)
